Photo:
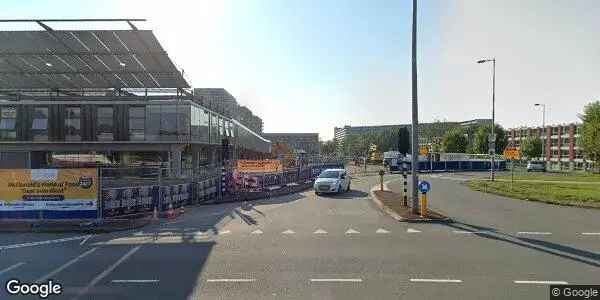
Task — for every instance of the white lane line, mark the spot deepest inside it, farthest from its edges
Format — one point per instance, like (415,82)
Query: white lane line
(66,265)
(11,268)
(85,240)
(134,280)
(590,233)
(435,280)
(351,231)
(534,232)
(231,280)
(410,230)
(381,230)
(289,231)
(335,280)
(43,242)
(320,231)
(539,282)
(257,231)
(106,272)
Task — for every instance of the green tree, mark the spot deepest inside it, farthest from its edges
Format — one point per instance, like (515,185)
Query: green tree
(590,139)
(480,142)
(531,147)
(455,141)
(358,144)
(403,140)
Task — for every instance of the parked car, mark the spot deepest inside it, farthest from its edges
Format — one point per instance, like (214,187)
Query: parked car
(536,165)
(332,181)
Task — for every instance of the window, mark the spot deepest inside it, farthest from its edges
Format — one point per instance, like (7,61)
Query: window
(39,124)
(153,126)
(104,129)
(168,123)
(73,123)
(137,119)
(183,122)
(8,120)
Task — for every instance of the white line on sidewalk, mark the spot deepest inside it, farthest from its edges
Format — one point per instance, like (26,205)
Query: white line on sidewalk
(106,272)
(539,282)
(336,280)
(534,232)
(435,280)
(43,242)
(590,233)
(66,265)
(134,280)
(231,280)
(11,268)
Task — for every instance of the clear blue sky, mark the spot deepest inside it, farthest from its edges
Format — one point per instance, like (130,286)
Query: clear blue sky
(307,66)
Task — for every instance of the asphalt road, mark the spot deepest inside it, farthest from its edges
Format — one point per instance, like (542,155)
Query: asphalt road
(328,247)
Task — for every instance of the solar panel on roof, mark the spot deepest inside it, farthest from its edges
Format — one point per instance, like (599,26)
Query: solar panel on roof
(85,59)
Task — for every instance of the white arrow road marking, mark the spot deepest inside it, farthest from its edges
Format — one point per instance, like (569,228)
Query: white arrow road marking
(410,230)
(320,231)
(381,230)
(224,232)
(436,280)
(66,265)
(11,267)
(289,231)
(43,242)
(351,231)
(106,272)
(539,282)
(257,231)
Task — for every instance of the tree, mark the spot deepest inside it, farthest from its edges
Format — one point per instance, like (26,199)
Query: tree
(358,144)
(531,147)
(480,142)
(328,147)
(590,138)
(455,141)
(403,140)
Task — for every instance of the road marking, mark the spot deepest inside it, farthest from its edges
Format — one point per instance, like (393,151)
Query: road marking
(231,280)
(85,240)
(289,231)
(590,233)
(134,280)
(320,231)
(534,232)
(410,230)
(539,282)
(336,280)
(468,232)
(436,280)
(224,232)
(43,242)
(11,268)
(257,231)
(381,230)
(351,231)
(106,272)
(66,265)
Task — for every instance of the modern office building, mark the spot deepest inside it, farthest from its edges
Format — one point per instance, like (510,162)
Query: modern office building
(560,144)
(107,97)
(250,120)
(307,143)
(428,131)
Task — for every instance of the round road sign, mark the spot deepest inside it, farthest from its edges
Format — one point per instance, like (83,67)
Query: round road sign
(424,186)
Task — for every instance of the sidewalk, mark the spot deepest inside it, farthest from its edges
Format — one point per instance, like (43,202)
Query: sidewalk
(391,203)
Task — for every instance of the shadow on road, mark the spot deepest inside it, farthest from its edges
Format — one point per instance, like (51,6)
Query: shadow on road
(566,252)
(352,194)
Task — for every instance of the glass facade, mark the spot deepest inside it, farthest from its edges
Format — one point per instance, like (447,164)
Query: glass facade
(104,126)
(73,123)
(39,124)
(199,122)
(137,123)
(8,121)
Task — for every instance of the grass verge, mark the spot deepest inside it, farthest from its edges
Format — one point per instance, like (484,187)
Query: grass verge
(584,177)
(554,193)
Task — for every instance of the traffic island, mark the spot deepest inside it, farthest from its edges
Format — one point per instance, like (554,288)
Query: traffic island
(391,203)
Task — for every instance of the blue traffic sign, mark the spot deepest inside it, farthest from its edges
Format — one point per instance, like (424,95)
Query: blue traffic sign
(424,186)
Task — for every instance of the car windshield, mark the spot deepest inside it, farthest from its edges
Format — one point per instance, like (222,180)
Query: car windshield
(329,174)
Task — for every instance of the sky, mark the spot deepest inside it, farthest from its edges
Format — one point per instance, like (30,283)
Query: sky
(308,65)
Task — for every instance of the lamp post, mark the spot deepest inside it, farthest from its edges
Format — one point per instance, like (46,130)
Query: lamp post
(492,138)
(415,116)
(543,128)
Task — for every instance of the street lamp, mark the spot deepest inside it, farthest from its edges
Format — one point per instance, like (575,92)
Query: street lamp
(543,127)
(492,138)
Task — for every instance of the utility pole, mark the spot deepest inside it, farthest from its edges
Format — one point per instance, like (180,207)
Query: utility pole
(415,116)
(492,137)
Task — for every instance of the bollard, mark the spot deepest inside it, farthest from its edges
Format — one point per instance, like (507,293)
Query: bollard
(404,176)
(381,173)
(424,205)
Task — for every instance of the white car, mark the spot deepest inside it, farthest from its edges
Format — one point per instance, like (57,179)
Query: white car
(332,181)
